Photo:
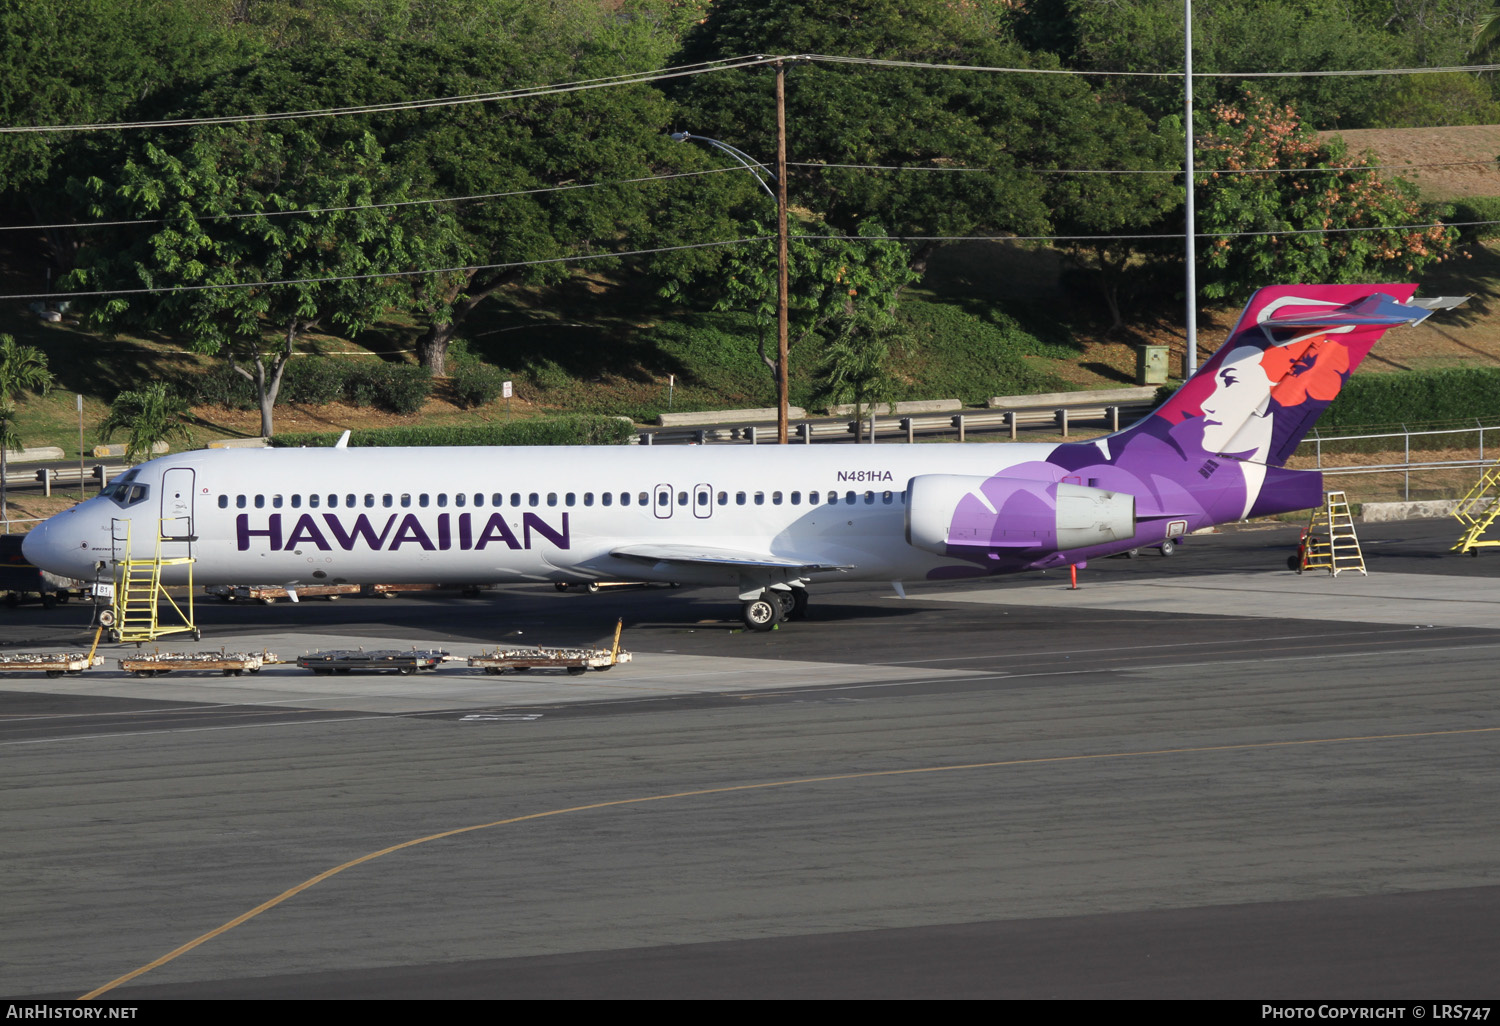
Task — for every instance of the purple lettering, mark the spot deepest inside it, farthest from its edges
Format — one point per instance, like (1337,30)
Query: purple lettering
(445,536)
(411,531)
(306,531)
(362,528)
(560,539)
(272,533)
(495,529)
(465,532)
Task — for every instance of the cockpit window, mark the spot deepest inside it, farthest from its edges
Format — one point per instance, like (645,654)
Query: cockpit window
(124,491)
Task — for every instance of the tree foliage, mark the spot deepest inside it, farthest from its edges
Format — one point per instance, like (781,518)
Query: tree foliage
(22,369)
(153,414)
(259,234)
(831,278)
(1304,225)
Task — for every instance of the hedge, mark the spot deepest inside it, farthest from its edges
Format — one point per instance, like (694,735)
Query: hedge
(582,430)
(1416,397)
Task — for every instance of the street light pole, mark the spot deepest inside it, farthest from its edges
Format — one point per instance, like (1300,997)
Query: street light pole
(783,261)
(783,388)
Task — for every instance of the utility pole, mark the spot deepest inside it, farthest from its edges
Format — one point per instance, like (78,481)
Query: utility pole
(782,328)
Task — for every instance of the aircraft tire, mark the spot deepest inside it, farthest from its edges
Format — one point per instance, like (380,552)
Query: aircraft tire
(788,604)
(799,604)
(1167,547)
(761,614)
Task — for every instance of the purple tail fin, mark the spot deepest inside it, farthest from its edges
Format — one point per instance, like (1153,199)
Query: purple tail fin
(1287,358)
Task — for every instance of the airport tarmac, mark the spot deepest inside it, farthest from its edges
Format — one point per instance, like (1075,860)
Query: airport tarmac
(1202,776)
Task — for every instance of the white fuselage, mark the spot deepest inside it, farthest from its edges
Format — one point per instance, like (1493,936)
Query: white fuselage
(485,515)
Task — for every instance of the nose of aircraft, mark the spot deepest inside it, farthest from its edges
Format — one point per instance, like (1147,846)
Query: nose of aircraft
(56,548)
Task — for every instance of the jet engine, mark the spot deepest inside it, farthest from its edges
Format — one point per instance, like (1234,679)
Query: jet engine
(957,515)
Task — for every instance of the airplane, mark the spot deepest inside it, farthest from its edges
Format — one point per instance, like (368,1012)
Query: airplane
(767,521)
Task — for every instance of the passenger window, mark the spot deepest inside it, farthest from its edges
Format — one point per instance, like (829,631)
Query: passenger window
(551,499)
(570,499)
(239,500)
(850,498)
(296,502)
(869,498)
(387,500)
(776,496)
(515,499)
(369,501)
(276,501)
(812,498)
(796,498)
(682,498)
(260,500)
(224,499)
(588,498)
(887,496)
(312,501)
(760,498)
(739,497)
(723,498)
(605,498)
(406,500)
(645,499)
(833,498)
(536,500)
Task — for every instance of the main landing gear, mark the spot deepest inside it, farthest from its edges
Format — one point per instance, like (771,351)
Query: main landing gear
(772,606)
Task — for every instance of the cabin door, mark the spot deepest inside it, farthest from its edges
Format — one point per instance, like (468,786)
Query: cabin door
(176,513)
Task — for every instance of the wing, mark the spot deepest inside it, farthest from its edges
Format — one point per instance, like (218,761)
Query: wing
(731,559)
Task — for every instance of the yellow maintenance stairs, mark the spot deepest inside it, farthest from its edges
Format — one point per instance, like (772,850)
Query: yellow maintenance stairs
(1478,510)
(1329,543)
(139,593)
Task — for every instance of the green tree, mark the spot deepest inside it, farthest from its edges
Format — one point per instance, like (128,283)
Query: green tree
(830,280)
(538,162)
(967,144)
(1241,36)
(151,415)
(857,362)
(268,231)
(1132,196)
(22,369)
(92,61)
(1309,222)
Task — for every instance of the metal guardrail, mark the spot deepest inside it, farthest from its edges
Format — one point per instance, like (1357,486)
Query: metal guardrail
(1317,440)
(22,520)
(1061,417)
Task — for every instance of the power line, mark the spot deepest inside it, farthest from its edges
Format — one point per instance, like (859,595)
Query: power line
(44,296)
(523,93)
(386,274)
(362,206)
(688,70)
(1149,171)
(930,66)
(475,197)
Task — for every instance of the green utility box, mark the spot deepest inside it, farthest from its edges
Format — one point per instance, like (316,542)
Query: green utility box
(1151,365)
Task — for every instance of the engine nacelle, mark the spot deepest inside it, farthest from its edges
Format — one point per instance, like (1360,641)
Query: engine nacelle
(951,514)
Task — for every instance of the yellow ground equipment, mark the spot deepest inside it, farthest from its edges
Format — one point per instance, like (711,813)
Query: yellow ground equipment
(1329,543)
(1478,510)
(139,592)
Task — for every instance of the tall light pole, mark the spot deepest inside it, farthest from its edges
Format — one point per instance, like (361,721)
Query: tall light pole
(1190,360)
(782,260)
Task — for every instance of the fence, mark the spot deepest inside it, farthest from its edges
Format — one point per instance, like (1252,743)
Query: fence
(1427,441)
